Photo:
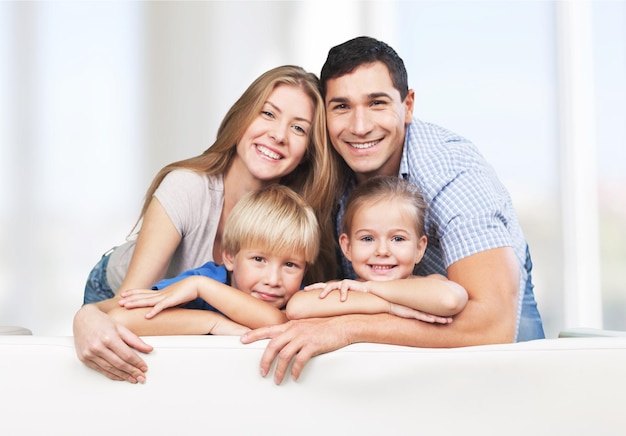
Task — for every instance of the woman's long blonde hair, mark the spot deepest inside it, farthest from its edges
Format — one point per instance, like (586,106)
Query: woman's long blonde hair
(315,178)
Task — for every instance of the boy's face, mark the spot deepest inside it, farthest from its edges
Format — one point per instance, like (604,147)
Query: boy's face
(367,120)
(271,277)
(386,248)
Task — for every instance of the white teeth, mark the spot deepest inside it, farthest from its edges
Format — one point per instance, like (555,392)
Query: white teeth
(267,152)
(382,266)
(364,145)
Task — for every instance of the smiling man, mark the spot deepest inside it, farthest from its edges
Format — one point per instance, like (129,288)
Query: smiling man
(474,237)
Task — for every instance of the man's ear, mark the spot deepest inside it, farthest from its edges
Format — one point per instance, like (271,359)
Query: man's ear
(344,243)
(409,104)
(229,260)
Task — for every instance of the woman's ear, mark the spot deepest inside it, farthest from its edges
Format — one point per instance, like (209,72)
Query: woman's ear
(344,243)
(228,260)
(421,249)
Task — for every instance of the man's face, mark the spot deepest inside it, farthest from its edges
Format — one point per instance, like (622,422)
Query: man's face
(367,120)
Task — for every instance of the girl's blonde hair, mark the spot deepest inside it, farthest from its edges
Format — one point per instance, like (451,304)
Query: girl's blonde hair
(380,188)
(315,178)
(273,219)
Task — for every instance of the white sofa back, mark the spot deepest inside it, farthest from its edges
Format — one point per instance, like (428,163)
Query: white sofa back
(211,385)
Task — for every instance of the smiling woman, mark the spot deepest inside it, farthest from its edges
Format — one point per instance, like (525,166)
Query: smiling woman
(275,132)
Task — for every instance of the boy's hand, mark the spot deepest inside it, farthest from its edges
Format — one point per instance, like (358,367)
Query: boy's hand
(174,295)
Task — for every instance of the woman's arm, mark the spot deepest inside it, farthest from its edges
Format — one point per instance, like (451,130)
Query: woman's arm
(233,303)
(177,321)
(104,344)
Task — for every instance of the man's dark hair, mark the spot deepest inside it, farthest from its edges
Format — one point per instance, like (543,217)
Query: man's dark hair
(344,58)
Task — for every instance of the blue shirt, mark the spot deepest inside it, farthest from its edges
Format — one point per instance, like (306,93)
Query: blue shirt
(209,269)
(469,210)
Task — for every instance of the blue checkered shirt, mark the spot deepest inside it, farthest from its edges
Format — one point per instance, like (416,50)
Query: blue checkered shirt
(469,210)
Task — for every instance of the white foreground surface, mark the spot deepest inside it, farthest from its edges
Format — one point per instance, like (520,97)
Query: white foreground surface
(211,385)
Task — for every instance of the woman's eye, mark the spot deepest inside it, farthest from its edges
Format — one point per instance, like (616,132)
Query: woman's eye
(300,130)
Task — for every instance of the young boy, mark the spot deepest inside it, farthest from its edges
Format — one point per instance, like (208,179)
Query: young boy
(269,239)
(383,236)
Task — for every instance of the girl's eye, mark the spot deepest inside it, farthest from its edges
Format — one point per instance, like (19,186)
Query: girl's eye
(397,239)
(268,114)
(367,239)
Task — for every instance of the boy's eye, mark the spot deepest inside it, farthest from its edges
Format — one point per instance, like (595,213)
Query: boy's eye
(257,259)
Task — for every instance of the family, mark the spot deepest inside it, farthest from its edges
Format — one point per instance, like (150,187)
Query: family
(324,214)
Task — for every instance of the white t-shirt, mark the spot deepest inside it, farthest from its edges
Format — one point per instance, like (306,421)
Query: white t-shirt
(194,203)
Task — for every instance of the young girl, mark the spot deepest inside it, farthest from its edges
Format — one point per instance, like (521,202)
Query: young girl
(384,239)
(270,238)
(275,132)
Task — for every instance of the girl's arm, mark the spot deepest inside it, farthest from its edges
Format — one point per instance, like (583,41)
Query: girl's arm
(233,303)
(433,294)
(308,304)
(177,321)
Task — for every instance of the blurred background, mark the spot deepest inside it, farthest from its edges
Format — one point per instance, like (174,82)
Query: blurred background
(95,97)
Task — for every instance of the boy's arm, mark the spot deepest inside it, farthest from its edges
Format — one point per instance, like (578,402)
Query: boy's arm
(177,321)
(233,303)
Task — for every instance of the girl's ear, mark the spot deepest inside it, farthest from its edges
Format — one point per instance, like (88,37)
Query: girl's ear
(421,249)
(229,260)
(344,243)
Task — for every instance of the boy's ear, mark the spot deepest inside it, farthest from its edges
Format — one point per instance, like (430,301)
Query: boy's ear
(344,243)
(229,260)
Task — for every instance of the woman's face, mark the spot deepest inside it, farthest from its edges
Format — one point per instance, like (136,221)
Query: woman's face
(277,139)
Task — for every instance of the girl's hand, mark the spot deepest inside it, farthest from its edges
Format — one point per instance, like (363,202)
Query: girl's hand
(343,286)
(407,312)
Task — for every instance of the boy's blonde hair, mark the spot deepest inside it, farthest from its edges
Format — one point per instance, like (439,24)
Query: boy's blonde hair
(275,219)
(386,188)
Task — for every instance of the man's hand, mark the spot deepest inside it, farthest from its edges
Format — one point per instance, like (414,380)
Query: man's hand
(296,342)
(105,346)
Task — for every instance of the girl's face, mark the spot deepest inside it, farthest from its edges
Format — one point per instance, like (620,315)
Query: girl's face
(383,243)
(277,139)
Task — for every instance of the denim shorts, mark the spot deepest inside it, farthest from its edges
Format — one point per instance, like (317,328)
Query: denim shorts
(97,287)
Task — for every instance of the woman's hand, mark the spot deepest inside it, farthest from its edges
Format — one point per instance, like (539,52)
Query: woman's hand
(107,346)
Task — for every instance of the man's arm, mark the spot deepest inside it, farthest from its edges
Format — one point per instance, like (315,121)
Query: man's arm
(491,279)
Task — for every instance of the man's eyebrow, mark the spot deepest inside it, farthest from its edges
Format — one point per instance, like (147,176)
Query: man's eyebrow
(372,96)
(376,95)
